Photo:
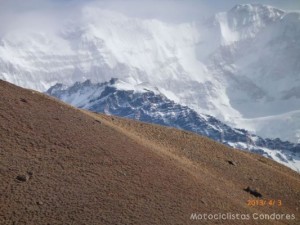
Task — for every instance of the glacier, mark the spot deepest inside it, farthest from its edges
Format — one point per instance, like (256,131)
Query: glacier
(241,66)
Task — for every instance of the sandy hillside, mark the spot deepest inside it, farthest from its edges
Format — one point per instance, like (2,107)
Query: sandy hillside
(61,165)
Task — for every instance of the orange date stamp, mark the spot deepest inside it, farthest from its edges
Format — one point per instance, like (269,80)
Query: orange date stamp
(261,202)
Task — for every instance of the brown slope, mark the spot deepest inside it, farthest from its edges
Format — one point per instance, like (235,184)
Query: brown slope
(94,169)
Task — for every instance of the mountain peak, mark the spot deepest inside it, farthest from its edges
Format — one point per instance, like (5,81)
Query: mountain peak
(245,15)
(255,7)
(113,80)
(244,21)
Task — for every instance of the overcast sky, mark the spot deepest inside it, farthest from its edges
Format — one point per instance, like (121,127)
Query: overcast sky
(146,8)
(13,12)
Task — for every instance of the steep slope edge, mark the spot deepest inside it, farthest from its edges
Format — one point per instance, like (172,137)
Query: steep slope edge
(85,168)
(146,103)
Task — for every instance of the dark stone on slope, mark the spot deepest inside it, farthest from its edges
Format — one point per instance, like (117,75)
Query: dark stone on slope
(253,192)
(232,163)
(23,100)
(98,121)
(23,178)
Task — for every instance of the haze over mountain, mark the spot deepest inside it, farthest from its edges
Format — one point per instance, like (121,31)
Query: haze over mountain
(241,66)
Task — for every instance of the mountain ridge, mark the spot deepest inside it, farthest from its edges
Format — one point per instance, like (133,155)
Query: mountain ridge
(237,73)
(148,104)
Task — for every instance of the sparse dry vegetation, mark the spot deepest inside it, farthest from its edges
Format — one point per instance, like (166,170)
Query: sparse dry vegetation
(61,165)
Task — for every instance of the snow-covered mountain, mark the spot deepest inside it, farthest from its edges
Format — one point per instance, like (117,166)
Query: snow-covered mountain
(146,103)
(241,66)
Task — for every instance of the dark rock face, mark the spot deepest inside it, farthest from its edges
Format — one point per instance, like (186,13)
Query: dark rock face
(152,107)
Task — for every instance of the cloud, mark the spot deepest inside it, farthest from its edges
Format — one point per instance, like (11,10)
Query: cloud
(35,14)
(48,14)
(168,10)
